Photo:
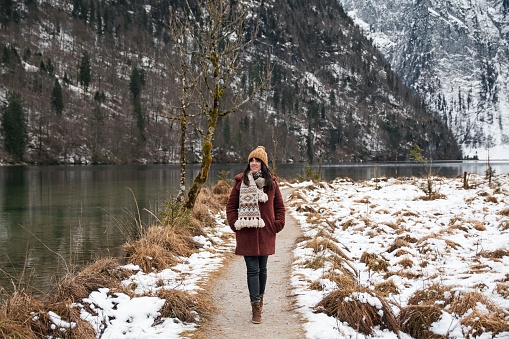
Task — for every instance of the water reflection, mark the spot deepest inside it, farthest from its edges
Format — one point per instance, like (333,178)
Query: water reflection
(55,217)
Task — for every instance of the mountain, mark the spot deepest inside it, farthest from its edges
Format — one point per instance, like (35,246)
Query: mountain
(455,54)
(333,96)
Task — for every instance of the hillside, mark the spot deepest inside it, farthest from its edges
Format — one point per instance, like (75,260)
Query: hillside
(333,97)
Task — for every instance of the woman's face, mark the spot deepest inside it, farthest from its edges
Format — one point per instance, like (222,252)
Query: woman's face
(255,165)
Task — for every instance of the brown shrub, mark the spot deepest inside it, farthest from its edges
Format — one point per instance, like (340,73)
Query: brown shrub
(504,212)
(348,304)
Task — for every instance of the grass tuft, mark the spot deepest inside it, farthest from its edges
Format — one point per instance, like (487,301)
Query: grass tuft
(185,306)
(356,305)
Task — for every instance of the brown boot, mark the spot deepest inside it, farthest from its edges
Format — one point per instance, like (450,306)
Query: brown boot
(261,303)
(257,312)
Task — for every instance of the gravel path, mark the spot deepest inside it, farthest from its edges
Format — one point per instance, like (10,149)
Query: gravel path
(229,293)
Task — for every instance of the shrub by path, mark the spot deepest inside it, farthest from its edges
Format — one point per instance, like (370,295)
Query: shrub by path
(230,295)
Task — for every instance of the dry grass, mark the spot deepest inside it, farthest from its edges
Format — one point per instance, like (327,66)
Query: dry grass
(452,244)
(425,307)
(160,245)
(387,288)
(504,212)
(157,249)
(503,289)
(349,303)
(401,252)
(416,320)
(490,318)
(320,244)
(462,303)
(496,254)
(348,223)
(492,199)
(339,278)
(504,225)
(315,263)
(406,262)
(221,191)
(374,263)
(101,273)
(434,294)
(24,316)
(16,313)
(185,306)
(397,244)
(479,322)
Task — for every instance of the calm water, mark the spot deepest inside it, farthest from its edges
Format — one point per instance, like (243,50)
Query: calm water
(53,217)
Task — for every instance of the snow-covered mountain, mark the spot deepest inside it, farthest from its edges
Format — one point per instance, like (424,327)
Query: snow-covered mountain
(332,96)
(455,53)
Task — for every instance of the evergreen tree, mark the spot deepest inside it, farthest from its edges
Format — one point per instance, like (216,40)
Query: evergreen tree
(56,98)
(66,80)
(136,83)
(84,71)
(14,126)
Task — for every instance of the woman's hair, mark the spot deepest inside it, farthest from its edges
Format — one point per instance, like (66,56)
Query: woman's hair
(266,174)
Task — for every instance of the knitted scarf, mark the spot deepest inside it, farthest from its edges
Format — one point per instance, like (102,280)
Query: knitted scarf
(250,195)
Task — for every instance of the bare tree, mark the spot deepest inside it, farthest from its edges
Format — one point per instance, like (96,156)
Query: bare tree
(211,35)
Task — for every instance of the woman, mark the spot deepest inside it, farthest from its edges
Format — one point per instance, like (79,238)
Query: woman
(256,212)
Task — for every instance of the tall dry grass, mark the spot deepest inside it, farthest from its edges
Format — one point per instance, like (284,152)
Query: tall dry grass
(24,315)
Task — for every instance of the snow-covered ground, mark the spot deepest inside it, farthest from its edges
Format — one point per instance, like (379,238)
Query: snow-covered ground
(449,235)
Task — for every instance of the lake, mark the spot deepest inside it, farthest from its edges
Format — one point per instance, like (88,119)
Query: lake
(53,218)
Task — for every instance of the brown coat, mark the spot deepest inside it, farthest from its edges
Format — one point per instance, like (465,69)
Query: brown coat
(257,241)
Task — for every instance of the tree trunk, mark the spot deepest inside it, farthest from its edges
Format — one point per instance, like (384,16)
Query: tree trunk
(206,162)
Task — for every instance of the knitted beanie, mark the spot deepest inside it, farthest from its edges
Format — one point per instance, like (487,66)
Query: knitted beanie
(259,153)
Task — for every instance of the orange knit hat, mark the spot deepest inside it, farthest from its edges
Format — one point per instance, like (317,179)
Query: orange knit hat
(259,153)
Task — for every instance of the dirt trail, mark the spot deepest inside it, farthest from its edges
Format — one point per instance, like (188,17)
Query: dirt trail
(230,295)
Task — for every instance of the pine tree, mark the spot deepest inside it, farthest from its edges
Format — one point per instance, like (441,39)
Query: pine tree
(14,126)
(84,71)
(135,85)
(56,98)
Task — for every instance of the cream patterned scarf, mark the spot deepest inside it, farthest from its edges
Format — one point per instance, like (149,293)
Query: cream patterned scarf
(249,212)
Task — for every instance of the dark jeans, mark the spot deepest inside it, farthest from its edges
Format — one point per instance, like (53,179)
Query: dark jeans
(256,275)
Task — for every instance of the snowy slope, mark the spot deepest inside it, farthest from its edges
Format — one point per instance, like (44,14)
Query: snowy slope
(456,54)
